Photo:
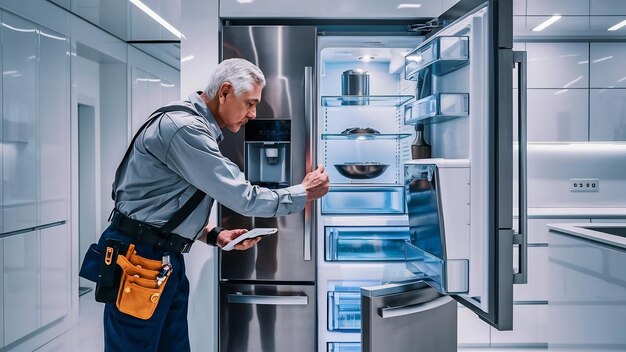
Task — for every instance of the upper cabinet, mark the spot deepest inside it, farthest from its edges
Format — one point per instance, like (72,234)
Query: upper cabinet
(19,123)
(54,126)
(326,9)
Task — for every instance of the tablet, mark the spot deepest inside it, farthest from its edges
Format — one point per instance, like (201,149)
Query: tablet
(256,232)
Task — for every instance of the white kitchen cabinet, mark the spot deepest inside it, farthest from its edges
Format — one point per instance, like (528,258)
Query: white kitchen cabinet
(530,328)
(2,295)
(54,127)
(151,85)
(519,8)
(19,120)
(607,117)
(346,9)
(607,65)
(608,7)
(536,290)
(558,65)
(557,115)
(55,273)
(472,332)
(561,7)
(21,267)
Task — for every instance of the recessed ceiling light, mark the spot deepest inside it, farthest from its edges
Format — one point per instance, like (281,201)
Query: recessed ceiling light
(409,6)
(366,58)
(603,59)
(617,26)
(547,23)
(244,1)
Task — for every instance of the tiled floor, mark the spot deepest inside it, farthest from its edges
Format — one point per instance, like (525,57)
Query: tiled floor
(87,335)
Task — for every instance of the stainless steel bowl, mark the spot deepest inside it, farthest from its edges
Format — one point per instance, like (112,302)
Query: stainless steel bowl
(361,170)
(360,130)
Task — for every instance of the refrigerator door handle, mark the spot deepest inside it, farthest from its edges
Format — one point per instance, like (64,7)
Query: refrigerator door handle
(393,312)
(309,208)
(521,238)
(240,298)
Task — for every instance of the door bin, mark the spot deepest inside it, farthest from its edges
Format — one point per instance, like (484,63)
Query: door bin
(407,317)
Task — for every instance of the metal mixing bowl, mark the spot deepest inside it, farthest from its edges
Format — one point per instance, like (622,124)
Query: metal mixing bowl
(360,130)
(361,170)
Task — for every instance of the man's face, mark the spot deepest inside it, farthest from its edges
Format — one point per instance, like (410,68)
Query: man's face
(236,110)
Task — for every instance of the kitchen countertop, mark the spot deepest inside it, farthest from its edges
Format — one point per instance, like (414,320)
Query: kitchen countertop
(586,231)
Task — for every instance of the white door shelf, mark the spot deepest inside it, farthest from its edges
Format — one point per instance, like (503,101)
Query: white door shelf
(442,54)
(437,108)
(369,100)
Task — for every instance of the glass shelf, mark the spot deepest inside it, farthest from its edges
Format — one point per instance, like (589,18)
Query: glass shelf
(365,100)
(364,136)
(442,54)
(437,108)
(344,347)
(365,243)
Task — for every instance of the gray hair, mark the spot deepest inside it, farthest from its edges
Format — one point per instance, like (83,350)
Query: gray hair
(238,72)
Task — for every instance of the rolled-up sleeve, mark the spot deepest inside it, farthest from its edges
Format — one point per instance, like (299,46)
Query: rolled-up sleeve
(194,154)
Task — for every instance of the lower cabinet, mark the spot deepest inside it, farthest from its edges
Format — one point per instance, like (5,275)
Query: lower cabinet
(36,281)
(530,327)
(20,286)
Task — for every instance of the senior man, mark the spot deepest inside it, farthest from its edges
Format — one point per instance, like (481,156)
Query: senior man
(164,189)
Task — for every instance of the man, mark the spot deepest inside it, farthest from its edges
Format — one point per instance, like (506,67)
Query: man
(171,159)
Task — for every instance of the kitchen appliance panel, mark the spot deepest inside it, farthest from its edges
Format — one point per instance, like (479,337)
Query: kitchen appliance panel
(278,318)
(286,55)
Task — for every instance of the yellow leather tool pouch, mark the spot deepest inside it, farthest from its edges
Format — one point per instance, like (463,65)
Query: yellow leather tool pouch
(139,292)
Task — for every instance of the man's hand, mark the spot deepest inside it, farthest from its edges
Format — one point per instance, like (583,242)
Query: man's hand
(316,183)
(228,235)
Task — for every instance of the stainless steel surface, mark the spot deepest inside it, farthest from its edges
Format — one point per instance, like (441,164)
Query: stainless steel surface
(282,53)
(521,238)
(259,326)
(360,130)
(309,208)
(431,327)
(355,82)
(240,298)
(364,170)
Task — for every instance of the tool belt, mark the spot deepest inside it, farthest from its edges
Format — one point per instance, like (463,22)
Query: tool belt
(134,283)
(142,233)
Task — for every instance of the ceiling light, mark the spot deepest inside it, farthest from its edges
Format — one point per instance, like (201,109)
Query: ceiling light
(156,17)
(617,26)
(409,6)
(187,58)
(366,58)
(548,22)
(244,1)
(603,59)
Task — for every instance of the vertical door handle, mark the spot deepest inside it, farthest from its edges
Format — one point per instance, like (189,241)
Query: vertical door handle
(309,208)
(521,238)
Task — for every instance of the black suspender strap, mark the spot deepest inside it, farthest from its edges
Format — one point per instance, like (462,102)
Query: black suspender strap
(182,213)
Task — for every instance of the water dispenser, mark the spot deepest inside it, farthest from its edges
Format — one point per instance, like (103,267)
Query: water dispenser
(268,153)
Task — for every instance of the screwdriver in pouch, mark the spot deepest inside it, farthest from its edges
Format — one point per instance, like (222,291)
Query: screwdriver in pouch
(164,269)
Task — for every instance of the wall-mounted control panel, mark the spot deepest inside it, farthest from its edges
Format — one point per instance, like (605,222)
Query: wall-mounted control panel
(584,185)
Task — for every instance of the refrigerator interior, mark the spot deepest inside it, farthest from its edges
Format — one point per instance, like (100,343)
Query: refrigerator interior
(362,224)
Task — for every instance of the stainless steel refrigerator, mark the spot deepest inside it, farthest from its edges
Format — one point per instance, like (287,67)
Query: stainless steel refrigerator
(267,293)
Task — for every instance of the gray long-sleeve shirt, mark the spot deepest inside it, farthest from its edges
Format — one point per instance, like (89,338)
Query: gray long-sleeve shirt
(178,154)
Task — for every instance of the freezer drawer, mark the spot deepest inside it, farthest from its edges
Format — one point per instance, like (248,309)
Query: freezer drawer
(407,317)
(365,243)
(267,317)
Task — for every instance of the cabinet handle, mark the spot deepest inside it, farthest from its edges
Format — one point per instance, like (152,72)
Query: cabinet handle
(309,208)
(521,238)
(393,312)
(268,300)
